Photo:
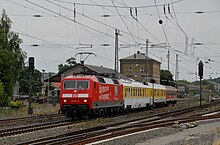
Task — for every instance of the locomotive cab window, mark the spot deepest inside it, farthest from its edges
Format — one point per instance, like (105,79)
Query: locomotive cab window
(82,85)
(73,84)
(68,85)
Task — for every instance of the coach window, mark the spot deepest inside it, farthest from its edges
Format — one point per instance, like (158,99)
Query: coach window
(127,92)
(130,92)
(134,93)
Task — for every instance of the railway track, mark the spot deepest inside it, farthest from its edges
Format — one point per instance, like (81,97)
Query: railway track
(35,118)
(27,119)
(131,129)
(121,128)
(35,127)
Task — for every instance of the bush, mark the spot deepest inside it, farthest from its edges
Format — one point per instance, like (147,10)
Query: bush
(15,105)
(3,97)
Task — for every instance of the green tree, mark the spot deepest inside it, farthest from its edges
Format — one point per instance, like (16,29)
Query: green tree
(11,57)
(64,67)
(36,81)
(166,78)
(3,99)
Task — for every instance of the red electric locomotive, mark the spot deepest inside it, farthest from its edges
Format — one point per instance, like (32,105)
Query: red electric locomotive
(88,95)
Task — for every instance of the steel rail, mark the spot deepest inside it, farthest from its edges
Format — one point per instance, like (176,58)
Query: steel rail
(100,130)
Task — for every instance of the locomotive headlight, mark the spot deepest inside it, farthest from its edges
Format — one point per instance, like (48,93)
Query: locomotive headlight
(64,101)
(85,100)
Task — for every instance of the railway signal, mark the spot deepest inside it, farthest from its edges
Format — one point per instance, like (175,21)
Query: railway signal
(200,69)
(31,63)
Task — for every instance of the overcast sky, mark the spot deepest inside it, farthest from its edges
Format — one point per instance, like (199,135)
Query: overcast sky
(62,28)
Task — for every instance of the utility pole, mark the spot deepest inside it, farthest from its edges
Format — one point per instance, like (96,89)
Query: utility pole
(177,69)
(177,72)
(147,65)
(116,50)
(48,88)
(168,57)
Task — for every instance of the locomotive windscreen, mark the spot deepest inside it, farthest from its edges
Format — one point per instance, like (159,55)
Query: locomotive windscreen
(76,84)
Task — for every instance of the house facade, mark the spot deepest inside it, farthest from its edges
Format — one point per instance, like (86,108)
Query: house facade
(140,68)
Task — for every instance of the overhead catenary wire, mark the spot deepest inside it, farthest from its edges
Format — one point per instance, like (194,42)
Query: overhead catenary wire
(71,19)
(161,24)
(143,25)
(75,23)
(49,15)
(100,5)
(27,35)
(95,20)
(124,22)
(125,31)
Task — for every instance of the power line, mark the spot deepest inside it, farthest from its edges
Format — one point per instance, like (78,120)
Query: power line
(121,30)
(27,35)
(161,24)
(92,19)
(99,5)
(143,26)
(60,15)
(124,22)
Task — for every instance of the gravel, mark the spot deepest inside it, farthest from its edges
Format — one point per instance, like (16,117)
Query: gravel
(204,134)
(154,137)
(159,136)
(141,137)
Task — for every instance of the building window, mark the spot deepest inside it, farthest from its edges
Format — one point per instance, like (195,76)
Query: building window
(142,70)
(130,69)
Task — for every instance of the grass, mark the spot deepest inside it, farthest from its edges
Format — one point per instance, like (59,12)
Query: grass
(89,124)
(23,111)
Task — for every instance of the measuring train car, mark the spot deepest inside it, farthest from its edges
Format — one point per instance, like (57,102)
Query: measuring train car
(90,95)
(138,95)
